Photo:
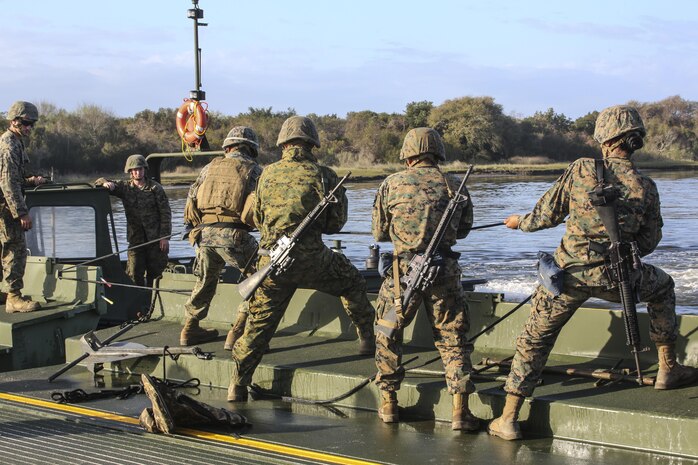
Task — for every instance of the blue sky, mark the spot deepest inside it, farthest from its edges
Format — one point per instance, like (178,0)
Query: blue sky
(330,57)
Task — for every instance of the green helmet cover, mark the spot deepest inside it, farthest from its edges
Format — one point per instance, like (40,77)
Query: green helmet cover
(298,127)
(242,135)
(135,161)
(24,110)
(423,140)
(616,121)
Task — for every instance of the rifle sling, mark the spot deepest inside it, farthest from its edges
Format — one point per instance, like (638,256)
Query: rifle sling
(396,284)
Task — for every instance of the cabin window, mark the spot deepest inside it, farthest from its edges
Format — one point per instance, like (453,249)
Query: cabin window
(63,232)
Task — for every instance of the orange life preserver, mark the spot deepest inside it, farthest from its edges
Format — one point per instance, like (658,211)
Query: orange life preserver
(192,121)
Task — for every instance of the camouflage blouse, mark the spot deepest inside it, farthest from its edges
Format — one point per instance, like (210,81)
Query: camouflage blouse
(409,205)
(288,190)
(13,160)
(148,214)
(638,209)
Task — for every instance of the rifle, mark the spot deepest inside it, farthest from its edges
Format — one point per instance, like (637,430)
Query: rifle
(280,254)
(423,268)
(622,258)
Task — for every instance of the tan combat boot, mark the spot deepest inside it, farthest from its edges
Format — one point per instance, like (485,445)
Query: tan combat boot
(672,374)
(160,412)
(147,421)
(507,425)
(238,328)
(192,334)
(463,419)
(388,411)
(237,393)
(18,304)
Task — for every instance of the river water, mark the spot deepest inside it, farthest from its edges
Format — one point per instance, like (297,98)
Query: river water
(506,258)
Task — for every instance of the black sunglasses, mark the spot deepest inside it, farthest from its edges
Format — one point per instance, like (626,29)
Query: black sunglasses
(28,123)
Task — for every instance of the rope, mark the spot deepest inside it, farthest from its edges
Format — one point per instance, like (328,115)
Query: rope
(78,395)
(130,286)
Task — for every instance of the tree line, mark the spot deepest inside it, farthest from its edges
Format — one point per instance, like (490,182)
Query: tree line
(474,129)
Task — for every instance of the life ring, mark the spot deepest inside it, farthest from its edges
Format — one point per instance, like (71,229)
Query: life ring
(192,121)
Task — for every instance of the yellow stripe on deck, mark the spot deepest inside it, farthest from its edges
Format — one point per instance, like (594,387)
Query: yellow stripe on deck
(205,435)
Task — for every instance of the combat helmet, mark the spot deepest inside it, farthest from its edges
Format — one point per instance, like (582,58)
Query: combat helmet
(617,120)
(298,127)
(135,161)
(423,140)
(24,110)
(242,135)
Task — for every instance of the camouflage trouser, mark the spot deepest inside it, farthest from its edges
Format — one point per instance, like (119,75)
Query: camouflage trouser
(14,252)
(209,263)
(450,322)
(145,264)
(549,314)
(325,271)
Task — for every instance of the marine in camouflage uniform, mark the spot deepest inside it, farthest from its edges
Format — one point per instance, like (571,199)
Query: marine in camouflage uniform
(14,214)
(619,130)
(148,218)
(407,210)
(287,191)
(216,208)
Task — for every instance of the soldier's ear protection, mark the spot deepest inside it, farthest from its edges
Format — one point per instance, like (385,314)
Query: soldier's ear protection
(632,142)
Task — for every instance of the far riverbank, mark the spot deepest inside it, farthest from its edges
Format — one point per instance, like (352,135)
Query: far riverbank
(380,172)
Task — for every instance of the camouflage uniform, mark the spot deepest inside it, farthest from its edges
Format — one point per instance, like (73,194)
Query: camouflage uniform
(406,211)
(220,243)
(640,220)
(148,217)
(12,179)
(286,192)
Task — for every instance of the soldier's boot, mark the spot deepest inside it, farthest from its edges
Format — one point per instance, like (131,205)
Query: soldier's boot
(388,411)
(367,346)
(463,419)
(3,298)
(160,410)
(192,334)
(147,421)
(672,374)
(18,304)
(507,425)
(367,341)
(237,393)
(238,328)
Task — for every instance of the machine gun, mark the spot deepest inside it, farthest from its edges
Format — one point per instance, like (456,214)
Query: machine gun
(280,254)
(622,259)
(423,268)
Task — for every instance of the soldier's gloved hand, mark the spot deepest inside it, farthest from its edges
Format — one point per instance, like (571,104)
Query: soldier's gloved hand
(164,245)
(513,221)
(109,185)
(26,222)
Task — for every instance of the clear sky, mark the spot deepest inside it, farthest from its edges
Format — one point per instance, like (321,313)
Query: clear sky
(334,57)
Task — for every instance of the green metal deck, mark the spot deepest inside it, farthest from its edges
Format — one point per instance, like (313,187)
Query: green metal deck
(313,356)
(69,307)
(35,430)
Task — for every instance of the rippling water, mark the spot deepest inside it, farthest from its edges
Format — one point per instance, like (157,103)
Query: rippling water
(504,257)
